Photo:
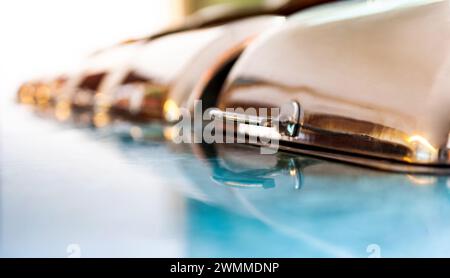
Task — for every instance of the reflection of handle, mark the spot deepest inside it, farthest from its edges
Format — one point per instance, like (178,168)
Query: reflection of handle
(257,178)
(247,179)
(244,179)
(262,178)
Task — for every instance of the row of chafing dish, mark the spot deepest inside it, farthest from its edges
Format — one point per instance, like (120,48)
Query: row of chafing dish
(364,82)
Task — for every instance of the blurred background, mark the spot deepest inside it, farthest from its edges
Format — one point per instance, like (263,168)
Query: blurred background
(39,38)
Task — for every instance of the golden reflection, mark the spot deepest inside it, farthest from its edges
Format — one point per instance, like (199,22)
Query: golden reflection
(101,119)
(169,132)
(171,111)
(63,111)
(102,102)
(424,151)
(26,93)
(42,95)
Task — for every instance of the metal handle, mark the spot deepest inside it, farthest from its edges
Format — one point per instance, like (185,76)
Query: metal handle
(288,121)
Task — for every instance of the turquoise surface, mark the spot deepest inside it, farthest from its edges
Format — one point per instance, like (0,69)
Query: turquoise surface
(73,191)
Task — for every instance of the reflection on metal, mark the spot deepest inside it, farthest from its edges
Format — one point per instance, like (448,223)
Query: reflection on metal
(171,110)
(41,93)
(25,94)
(289,120)
(63,111)
(354,70)
(158,81)
(423,149)
(194,53)
(137,101)
(101,119)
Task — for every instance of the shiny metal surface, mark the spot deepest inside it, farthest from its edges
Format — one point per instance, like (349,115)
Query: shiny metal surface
(220,14)
(371,78)
(111,64)
(146,80)
(150,198)
(104,85)
(169,67)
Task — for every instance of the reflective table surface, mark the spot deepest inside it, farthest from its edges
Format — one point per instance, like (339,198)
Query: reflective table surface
(69,191)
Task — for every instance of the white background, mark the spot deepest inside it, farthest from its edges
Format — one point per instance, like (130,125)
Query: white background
(39,38)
